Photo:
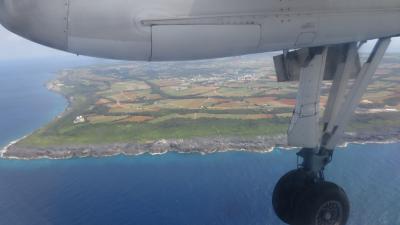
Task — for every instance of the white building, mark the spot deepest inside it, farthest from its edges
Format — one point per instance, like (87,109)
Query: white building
(79,119)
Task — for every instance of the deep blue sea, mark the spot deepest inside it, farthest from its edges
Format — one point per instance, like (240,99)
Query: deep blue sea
(171,189)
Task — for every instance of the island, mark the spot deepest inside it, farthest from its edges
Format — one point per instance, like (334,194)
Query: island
(202,106)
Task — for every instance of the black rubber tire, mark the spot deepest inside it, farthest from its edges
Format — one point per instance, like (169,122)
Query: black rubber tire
(286,191)
(312,206)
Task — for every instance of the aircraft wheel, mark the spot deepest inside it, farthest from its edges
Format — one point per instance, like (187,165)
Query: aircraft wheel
(286,191)
(324,204)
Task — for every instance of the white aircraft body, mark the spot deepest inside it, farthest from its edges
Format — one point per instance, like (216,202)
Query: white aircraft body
(319,38)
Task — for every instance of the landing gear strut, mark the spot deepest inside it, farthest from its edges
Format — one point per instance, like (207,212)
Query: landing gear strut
(303,196)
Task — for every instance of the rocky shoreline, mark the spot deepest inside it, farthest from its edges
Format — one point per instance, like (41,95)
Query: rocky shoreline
(259,144)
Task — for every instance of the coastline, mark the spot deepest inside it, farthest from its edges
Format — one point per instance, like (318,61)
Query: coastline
(259,144)
(199,145)
(5,148)
(203,146)
(50,87)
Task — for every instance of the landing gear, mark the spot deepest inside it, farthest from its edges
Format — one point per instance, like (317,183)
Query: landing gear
(287,192)
(323,203)
(302,196)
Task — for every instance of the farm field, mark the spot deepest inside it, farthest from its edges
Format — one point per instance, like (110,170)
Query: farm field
(143,102)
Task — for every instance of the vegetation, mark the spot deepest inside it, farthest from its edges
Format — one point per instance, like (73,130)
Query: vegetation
(239,97)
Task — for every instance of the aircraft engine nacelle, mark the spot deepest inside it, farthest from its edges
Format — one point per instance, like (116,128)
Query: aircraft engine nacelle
(161,30)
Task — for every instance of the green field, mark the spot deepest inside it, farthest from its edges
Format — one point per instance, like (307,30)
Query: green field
(141,102)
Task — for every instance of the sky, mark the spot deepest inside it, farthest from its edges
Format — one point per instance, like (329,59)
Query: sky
(13,47)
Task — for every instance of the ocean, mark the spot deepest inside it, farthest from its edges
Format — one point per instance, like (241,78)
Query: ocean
(25,103)
(232,188)
(171,189)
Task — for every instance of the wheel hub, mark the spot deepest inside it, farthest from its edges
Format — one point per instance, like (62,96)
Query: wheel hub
(330,213)
(328,216)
